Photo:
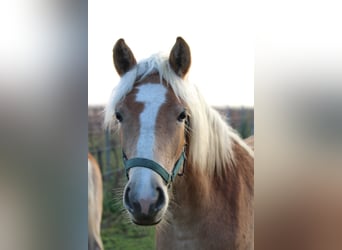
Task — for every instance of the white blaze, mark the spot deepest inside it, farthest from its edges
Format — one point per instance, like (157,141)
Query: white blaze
(153,96)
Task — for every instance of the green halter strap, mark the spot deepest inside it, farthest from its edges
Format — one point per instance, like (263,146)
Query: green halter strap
(146,163)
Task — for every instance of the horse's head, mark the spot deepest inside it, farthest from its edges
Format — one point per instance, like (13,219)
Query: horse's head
(152,128)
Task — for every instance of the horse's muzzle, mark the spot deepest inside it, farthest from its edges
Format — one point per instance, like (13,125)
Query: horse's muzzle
(145,209)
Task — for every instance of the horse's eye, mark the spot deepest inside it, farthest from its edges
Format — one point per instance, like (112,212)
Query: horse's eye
(182,116)
(118,116)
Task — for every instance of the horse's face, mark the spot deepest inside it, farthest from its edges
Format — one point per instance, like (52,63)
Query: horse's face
(152,126)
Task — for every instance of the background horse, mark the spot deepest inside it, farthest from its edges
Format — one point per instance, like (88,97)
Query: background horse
(94,204)
(167,129)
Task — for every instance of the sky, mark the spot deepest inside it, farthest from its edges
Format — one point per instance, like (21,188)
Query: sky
(219,33)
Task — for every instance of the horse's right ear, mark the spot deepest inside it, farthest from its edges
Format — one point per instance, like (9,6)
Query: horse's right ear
(123,57)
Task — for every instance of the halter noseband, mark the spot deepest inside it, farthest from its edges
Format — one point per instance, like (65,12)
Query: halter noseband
(146,163)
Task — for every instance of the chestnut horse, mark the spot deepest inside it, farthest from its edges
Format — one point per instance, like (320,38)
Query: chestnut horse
(188,172)
(94,204)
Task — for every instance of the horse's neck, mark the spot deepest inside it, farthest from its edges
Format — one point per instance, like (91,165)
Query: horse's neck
(210,212)
(189,202)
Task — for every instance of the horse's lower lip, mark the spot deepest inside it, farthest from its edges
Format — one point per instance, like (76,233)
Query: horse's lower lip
(146,222)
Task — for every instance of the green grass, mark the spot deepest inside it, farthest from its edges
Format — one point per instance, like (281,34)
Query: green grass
(126,236)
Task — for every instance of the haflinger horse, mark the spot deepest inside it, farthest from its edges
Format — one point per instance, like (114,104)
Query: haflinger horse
(188,172)
(95,194)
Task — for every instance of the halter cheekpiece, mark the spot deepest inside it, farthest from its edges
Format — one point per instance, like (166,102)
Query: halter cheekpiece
(146,163)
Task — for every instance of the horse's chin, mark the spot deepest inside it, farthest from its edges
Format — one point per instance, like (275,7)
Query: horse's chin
(146,222)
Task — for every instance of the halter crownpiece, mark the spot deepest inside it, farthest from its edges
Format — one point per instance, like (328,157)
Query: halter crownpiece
(146,163)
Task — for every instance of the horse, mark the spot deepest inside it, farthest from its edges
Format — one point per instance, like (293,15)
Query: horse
(95,196)
(250,142)
(188,171)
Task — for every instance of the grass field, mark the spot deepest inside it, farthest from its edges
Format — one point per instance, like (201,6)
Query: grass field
(122,235)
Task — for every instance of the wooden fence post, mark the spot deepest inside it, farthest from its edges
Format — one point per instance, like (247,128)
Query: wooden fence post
(108,150)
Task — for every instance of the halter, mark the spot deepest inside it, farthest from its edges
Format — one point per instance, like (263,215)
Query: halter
(146,163)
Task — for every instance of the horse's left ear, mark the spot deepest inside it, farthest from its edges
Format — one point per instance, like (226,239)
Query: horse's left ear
(180,57)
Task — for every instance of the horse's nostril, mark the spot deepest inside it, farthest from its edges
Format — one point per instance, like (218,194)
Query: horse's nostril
(136,207)
(127,200)
(161,199)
